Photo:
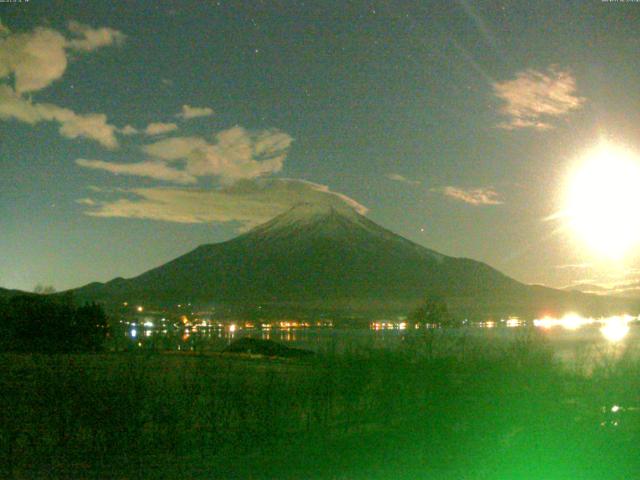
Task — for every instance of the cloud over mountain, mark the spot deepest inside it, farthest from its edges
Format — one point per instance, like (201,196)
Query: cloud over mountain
(249,202)
(151,169)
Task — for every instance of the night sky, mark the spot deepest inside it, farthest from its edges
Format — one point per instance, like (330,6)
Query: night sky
(132,132)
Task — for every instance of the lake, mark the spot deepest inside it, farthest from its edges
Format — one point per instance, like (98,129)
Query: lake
(574,340)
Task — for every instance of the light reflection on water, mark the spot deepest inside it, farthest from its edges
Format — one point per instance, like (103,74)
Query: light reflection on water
(618,416)
(614,328)
(575,340)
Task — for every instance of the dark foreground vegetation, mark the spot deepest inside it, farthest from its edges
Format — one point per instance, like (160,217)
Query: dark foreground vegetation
(431,410)
(36,323)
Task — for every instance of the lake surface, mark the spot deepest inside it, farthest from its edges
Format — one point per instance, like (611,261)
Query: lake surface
(574,340)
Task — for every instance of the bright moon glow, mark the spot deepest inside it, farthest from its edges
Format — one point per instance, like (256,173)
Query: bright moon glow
(602,201)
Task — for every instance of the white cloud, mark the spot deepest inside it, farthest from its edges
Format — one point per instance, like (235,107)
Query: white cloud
(194,112)
(151,169)
(249,202)
(159,128)
(93,126)
(473,196)
(175,148)
(129,130)
(90,39)
(234,153)
(535,97)
(38,58)
(572,266)
(401,178)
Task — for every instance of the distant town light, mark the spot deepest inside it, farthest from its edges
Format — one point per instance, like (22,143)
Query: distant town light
(545,322)
(513,322)
(572,321)
(487,324)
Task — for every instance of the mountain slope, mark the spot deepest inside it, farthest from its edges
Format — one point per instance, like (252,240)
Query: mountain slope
(324,257)
(5,293)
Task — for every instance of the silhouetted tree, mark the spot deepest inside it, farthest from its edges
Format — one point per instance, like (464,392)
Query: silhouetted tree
(41,324)
(433,310)
(90,327)
(44,289)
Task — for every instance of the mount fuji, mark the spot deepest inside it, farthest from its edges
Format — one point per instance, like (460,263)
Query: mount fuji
(328,258)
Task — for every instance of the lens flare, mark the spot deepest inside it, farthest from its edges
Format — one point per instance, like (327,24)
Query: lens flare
(615,329)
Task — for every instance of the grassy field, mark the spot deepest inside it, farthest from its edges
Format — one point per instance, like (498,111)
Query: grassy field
(433,411)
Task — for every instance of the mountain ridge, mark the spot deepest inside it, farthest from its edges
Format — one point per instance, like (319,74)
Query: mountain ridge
(327,258)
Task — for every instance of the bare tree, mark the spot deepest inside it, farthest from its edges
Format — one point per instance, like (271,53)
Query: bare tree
(41,289)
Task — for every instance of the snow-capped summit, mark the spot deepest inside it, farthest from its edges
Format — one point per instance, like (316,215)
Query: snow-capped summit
(316,219)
